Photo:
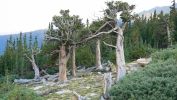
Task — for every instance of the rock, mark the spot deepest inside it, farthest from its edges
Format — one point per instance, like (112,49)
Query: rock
(64,91)
(127,68)
(142,62)
(93,94)
(99,73)
(62,85)
(38,87)
(88,87)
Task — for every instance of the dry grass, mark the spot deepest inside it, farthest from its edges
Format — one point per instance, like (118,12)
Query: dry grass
(90,86)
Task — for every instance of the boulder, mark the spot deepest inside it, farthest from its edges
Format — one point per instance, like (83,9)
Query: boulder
(142,62)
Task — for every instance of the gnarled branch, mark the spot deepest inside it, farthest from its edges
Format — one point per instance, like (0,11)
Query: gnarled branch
(109,45)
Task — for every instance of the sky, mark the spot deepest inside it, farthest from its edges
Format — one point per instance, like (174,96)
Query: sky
(29,15)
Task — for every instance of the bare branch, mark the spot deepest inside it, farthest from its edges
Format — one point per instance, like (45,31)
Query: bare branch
(102,27)
(27,57)
(49,38)
(36,52)
(119,34)
(55,51)
(110,45)
(100,33)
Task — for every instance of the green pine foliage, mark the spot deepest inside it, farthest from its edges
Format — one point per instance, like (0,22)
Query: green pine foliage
(155,81)
(85,56)
(21,93)
(9,91)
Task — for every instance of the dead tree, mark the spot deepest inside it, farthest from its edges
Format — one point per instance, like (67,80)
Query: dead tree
(165,23)
(34,50)
(66,35)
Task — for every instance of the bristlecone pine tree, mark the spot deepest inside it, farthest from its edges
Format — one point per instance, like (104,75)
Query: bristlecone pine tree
(30,55)
(111,19)
(66,36)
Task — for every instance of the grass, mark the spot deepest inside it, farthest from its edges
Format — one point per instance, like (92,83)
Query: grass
(85,86)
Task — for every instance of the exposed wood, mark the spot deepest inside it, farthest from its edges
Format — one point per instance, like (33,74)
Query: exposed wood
(107,85)
(73,62)
(123,26)
(169,37)
(43,93)
(120,60)
(78,96)
(27,81)
(109,45)
(98,55)
(32,60)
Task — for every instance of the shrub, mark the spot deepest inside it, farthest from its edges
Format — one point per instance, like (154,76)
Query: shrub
(138,53)
(52,70)
(21,94)
(164,54)
(155,81)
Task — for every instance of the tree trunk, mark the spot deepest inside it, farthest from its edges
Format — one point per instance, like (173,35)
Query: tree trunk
(169,37)
(107,85)
(73,61)
(120,60)
(35,68)
(62,65)
(98,55)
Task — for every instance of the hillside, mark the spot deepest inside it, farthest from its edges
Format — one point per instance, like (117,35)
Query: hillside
(38,33)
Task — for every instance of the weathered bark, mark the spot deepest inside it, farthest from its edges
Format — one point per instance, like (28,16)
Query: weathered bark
(62,64)
(120,60)
(106,85)
(35,68)
(169,37)
(27,81)
(73,61)
(98,55)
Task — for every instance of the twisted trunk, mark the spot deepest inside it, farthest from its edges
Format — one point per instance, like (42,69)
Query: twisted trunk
(62,64)
(98,55)
(120,60)
(35,68)
(73,61)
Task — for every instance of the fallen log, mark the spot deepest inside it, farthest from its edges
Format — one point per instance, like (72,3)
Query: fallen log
(43,93)
(78,96)
(27,81)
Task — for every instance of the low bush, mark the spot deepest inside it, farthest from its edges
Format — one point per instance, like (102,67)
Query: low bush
(164,54)
(157,81)
(21,93)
